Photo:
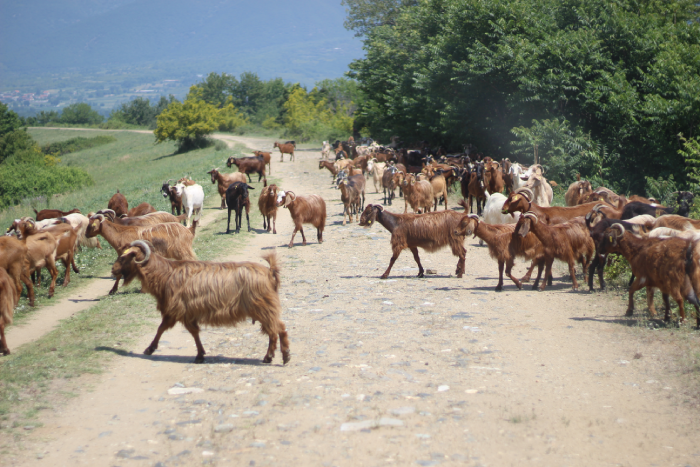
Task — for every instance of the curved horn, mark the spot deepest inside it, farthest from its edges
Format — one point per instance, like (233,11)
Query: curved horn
(99,217)
(598,207)
(293,194)
(169,180)
(473,216)
(146,249)
(619,227)
(531,215)
(379,206)
(527,192)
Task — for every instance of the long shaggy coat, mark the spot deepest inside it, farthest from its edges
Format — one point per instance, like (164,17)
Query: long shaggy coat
(431,232)
(215,294)
(267,203)
(8,301)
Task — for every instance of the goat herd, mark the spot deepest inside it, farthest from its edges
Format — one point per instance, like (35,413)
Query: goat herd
(660,243)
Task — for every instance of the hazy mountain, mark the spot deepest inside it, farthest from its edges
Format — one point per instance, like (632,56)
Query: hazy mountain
(302,40)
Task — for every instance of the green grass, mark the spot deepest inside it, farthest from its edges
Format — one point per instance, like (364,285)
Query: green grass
(46,372)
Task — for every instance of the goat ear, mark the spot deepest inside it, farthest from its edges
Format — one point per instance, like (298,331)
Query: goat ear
(524,228)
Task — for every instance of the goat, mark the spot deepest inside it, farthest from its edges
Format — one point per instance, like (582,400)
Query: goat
(248,165)
(505,245)
(209,293)
(171,193)
(8,301)
(13,260)
(118,204)
(567,242)
(389,184)
(224,180)
(53,213)
(192,201)
(419,194)
(267,157)
(140,210)
(267,202)
(431,232)
(66,239)
(577,191)
(350,196)
(603,194)
(676,222)
(542,190)
(286,148)
(79,224)
(493,177)
(660,263)
(326,151)
(309,209)
(439,186)
(171,240)
(237,199)
(520,201)
(492,211)
(41,253)
(376,170)
(332,168)
(473,188)
(597,226)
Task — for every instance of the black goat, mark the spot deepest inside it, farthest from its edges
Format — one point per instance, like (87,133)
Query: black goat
(637,208)
(237,199)
(175,200)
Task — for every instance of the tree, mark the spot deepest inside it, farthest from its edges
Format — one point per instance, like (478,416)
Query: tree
(189,122)
(365,15)
(216,89)
(9,120)
(81,114)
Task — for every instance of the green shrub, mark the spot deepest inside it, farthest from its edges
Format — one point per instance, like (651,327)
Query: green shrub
(76,144)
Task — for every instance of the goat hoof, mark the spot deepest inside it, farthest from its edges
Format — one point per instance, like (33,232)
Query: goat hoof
(290,245)
(630,313)
(199,359)
(267,359)
(384,276)
(149,351)
(420,274)
(7,352)
(499,289)
(286,357)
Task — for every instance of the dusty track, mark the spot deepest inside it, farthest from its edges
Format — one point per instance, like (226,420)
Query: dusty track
(430,371)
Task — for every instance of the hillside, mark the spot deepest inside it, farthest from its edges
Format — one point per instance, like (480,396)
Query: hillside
(297,41)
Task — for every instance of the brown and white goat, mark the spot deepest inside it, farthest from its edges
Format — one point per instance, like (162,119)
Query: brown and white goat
(53,213)
(505,245)
(41,253)
(8,301)
(171,240)
(66,240)
(207,293)
(309,209)
(670,265)
(568,242)
(153,218)
(224,180)
(267,203)
(431,232)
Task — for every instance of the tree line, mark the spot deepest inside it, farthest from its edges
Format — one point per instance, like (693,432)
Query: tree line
(610,90)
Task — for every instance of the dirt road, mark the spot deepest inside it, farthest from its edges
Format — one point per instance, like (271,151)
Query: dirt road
(433,371)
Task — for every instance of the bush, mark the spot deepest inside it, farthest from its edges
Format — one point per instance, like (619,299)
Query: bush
(80,114)
(76,144)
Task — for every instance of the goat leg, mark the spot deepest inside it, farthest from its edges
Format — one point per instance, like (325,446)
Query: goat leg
(509,268)
(499,287)
(391,263)
(284,343)
(116,286)
(547,272)
(193,328)
(414,250)
(636,285)
(528,274)
(572,272)
(3,342)
(75,268)
(291,242)
(303,237)
(167,323)
(667,307)
(271,347)
(24,277)
(274,224)
(53,270)
(319,235)
(247,219)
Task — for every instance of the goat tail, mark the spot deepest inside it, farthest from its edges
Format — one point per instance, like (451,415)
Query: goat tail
(464,204)
(35,211)
(181,217)
(271,258)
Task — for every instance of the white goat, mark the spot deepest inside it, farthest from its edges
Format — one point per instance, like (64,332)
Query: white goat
(492,211)
(516,171)
(376,169)
(326,150)
(80,224)
(535,181)
(192,201)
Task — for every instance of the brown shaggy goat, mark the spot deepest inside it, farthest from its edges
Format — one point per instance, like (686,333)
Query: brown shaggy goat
(431,232)
(208,293)
(53,213)
(310,209)
(8,301)
(577,191)
(140,210)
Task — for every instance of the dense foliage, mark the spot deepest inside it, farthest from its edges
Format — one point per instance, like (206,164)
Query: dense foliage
(140,111)
(27,172)
(79,143)
(80,113)
(596,87)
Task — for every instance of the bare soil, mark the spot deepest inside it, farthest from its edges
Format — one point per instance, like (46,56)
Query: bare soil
(404,371)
